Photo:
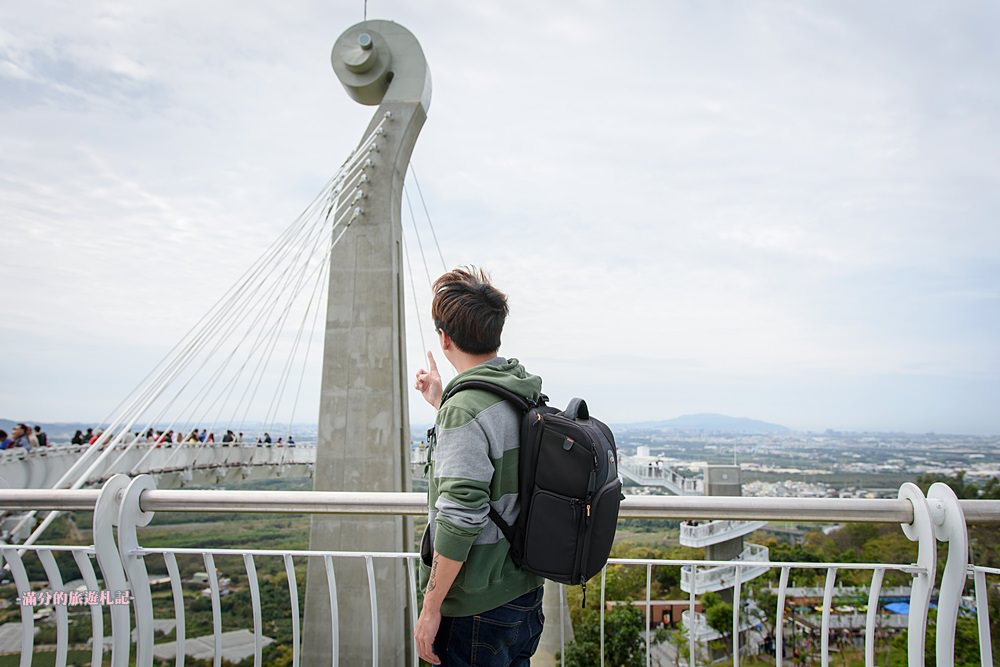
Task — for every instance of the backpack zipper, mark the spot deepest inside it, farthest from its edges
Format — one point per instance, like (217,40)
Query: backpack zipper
(592,484)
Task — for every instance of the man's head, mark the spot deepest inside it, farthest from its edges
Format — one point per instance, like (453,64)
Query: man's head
(469,310)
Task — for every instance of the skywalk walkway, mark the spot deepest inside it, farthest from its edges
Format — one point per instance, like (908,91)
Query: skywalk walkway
(43,468)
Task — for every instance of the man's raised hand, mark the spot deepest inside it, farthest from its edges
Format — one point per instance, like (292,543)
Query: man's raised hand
(429,383)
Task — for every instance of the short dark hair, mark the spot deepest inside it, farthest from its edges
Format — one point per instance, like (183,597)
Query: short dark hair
(469,309)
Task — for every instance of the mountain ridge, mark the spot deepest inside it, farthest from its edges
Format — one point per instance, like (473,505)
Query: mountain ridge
(713,422)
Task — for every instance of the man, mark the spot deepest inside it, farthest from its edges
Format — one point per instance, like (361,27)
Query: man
(479,608)
(41,436)
(20,435)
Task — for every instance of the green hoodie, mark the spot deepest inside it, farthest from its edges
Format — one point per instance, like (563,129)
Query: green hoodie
(474,464)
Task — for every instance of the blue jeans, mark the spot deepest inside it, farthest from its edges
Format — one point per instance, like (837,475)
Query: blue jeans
(503,637)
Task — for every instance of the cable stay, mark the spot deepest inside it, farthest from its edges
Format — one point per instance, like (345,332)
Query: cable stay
(244,366)
(427,215)
(238,359)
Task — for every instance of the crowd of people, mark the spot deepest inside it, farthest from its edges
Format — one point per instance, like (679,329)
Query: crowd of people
(24,436)
(27,437)
(170,437)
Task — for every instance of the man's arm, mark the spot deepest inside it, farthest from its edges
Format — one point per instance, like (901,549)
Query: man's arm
(442,576)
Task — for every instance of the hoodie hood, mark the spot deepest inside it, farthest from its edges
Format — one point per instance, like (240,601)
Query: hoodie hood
(507,373)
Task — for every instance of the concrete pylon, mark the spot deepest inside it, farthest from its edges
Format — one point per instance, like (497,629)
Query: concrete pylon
(363,439)
(724,480)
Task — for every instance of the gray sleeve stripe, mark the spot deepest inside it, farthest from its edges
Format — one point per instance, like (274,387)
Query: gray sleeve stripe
(507,507)
(461,516)
(502,425)
(464,453)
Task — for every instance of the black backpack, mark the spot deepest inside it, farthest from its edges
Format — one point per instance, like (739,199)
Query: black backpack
(570,490)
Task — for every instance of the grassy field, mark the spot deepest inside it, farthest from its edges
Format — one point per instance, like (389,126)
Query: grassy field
(48,659)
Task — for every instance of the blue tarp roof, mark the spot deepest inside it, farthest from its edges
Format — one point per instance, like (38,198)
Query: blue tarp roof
(898,607)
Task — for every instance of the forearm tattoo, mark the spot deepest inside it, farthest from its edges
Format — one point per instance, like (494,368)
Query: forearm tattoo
(432,579)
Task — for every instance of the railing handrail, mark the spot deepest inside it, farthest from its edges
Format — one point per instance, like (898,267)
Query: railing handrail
(124,504)
(368,502)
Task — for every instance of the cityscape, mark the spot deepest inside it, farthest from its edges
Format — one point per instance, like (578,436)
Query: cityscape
(827,464)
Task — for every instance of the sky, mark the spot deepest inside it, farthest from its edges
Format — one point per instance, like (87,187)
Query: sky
(777,210)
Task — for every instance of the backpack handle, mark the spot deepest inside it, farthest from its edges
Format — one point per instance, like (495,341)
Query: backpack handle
(577,409)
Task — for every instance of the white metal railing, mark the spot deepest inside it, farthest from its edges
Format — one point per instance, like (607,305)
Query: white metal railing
(699,627)
(703,632)
(124,504)
(700,534)
(752,562)
(646,472)
(843,591)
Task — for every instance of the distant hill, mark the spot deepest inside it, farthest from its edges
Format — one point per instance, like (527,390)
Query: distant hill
(714,423)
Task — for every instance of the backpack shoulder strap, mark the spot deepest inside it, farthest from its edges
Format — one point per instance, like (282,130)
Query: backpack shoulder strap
(505,528)
(523,405)
(520,402)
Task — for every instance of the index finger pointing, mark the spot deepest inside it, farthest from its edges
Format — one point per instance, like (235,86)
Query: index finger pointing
(430,360)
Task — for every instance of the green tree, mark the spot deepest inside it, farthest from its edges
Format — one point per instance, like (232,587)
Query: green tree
(966,644)
(957,483)
(767,602)
(624,582)
(624,645)
(720,618)
(679,638)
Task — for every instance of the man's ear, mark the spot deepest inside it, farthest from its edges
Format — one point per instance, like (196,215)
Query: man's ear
(446,342)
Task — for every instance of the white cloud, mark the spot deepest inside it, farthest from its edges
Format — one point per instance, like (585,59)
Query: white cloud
(769,192)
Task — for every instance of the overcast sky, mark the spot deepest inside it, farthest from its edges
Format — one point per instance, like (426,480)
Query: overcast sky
(778,210)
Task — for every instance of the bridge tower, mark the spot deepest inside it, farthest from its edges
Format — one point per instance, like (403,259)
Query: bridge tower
(363,438)
(723,541)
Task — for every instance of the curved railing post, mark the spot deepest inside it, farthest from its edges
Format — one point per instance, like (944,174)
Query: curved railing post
(130,516)
(949,526)
(20,575)
(54,576)
(921,531)
(983,617)
(108,557)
